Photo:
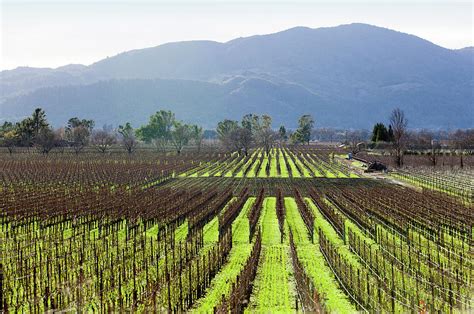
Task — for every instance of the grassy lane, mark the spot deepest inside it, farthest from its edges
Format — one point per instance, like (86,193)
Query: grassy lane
(241,249)
(274,287)
(240,174)
(194,171)
(314,263)
(263,169)
(328,172)
(211,229)
(181,232)
(230,170)
(253,170)
(320,223)
(283,166)
(306,172)
(273,164)
(291,165)
(240,226)
(228,165)
(311,164)
(270,229)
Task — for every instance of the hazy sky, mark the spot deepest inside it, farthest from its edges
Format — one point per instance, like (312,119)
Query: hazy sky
(54,33)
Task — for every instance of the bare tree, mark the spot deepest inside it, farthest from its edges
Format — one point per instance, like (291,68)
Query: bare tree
(225,130)
(79,138)
(399,126)
(461,140)
(236,137)
(355,139)
(241,139)
(264,135)
(324,134)
(197,135)
(267,139)
(46,140)
(78,133)
(102,140)
(61,141)
(426,141)
(128,139)
(180,135)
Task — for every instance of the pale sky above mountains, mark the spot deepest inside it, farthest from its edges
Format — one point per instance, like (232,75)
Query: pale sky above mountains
(54,33)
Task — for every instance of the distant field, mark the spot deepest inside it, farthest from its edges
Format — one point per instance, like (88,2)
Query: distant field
(280,163)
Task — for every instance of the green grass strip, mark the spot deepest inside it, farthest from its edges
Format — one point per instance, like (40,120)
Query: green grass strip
(273,165)
(294,170)
(211,229)
(240,226)
(305,170)
(295,222)
(270,228)
(252,172)
(263,169)
(240,174)
(320,223)
(314,263)
(274,287)
(283,169)
(221,284)
(311,163)
(181,232)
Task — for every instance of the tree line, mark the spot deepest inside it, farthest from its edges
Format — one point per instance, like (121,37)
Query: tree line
(400,139)
(163,131)
(35,131)
(255,130)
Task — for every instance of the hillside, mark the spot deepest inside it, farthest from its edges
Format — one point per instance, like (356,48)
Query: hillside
(346,76)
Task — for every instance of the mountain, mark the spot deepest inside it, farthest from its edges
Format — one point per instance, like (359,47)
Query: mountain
(107,101)
(346,76)
(467,52)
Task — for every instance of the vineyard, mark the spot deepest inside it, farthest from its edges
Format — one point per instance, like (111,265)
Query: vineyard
(294,230)
(456,183)
(280,163)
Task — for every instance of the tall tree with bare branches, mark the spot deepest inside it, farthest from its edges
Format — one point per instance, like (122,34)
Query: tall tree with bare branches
(460,140)
(399,126)
(264,134)
(128,139)
(102,140)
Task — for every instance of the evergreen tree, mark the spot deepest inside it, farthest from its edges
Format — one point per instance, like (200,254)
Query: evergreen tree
(390,136)
(379,133)
(282,133)
(305,126)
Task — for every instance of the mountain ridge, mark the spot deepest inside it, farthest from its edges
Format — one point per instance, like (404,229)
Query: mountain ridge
(361,68)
